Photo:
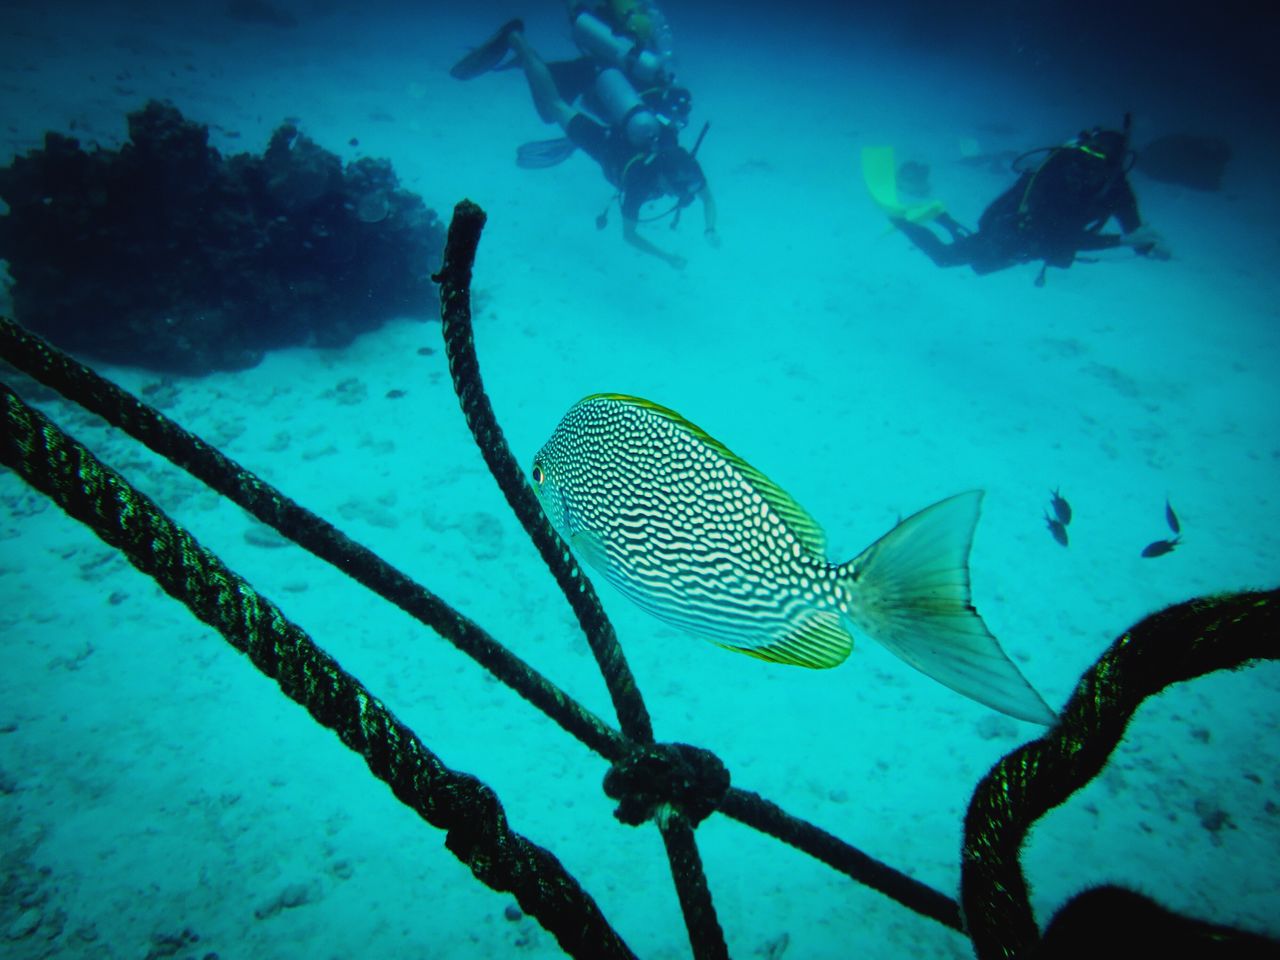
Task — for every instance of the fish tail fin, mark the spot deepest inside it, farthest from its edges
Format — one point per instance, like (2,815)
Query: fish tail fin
(910,592)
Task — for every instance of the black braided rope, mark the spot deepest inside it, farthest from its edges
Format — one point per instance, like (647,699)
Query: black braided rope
(84,387)
(760,814)
(1182,642)
(464,366)
(705,934)
(477,830)
(77,382)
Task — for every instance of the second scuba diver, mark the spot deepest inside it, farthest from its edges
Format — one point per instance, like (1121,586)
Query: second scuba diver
(632,136)
(1053,212)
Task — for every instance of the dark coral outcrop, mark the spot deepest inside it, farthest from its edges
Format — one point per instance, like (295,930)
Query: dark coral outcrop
(167,255)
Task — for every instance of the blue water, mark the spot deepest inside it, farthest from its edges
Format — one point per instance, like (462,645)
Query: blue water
(154,788)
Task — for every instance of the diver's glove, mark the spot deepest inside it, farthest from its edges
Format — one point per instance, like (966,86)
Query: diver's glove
(1146,242)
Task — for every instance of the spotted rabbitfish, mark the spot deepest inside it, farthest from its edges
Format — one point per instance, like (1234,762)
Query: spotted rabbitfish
(706,542)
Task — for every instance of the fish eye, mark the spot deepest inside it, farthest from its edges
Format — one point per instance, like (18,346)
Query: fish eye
(538,475)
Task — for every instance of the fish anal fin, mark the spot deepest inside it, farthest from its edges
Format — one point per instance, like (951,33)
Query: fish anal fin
(819,642)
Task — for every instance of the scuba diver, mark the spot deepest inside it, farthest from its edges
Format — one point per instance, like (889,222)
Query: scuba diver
(626,73)
(1056,209)
(636,144)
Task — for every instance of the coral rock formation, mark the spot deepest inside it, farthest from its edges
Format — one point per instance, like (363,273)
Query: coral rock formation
(166,255)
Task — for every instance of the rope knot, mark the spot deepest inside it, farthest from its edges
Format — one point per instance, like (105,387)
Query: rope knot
(657,779)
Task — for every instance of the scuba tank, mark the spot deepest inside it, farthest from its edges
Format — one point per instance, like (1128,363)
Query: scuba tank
(595,38)
(663,41)
(643,20)
(623,108)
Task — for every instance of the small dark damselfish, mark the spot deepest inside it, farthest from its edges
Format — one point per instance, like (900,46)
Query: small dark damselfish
(1160,547)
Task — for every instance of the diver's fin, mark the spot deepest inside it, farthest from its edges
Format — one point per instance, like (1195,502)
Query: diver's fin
(541,154)
(880,174)
(818,641)
(488,55)
(910,591)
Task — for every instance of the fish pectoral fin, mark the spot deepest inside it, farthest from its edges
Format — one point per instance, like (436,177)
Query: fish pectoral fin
(590,547)
(819,641)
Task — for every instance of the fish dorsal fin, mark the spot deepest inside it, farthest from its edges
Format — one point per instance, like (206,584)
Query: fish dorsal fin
(797,519)
(818,641)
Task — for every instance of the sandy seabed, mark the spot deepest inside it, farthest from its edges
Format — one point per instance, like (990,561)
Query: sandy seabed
(160,798)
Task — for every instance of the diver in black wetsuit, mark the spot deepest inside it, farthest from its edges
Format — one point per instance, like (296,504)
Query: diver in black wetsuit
(1052,213)
(638,152)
